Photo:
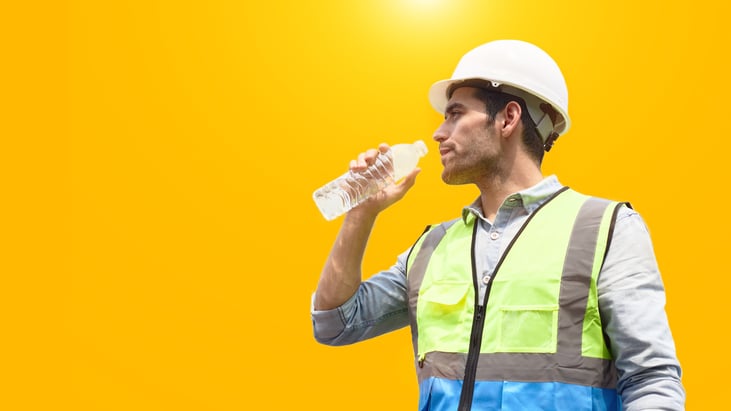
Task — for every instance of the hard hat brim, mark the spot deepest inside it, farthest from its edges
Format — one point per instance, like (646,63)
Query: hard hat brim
(438,95)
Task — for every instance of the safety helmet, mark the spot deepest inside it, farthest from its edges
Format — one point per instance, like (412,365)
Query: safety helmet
(518,68)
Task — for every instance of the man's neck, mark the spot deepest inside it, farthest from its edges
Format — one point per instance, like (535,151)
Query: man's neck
(495,189)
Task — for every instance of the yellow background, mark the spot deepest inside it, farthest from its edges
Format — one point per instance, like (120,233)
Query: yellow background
(188,137)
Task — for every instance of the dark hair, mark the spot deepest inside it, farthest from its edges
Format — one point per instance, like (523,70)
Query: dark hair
(496,101)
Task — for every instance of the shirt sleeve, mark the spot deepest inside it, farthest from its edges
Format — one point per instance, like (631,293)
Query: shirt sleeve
(632,305)
(379,306)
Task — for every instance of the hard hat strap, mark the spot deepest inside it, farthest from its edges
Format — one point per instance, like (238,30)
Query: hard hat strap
(550,140)
(549,111)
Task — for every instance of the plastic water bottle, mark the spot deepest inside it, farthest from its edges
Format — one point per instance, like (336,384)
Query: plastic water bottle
(347,191)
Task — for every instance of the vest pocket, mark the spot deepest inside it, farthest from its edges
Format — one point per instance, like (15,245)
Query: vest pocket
(444,317)
(528,328)
(446,294)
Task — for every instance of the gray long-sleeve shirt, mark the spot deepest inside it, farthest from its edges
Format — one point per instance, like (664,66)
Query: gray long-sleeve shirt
(631,300)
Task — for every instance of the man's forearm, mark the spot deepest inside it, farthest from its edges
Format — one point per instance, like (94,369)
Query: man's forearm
(341,275)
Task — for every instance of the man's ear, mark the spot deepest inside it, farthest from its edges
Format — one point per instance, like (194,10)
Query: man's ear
(511,118)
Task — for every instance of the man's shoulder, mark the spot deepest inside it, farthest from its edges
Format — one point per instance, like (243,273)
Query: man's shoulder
(622,209)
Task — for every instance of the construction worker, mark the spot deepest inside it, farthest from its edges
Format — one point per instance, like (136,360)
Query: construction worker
(537,297)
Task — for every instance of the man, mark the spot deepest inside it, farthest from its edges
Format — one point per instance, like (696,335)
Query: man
(537,297)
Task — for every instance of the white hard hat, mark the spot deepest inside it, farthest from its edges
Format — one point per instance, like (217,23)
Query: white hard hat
(520,69)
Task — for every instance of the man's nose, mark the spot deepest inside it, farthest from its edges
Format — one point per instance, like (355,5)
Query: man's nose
(441,133)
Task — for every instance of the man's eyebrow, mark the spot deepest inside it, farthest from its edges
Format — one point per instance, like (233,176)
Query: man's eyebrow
(452,106)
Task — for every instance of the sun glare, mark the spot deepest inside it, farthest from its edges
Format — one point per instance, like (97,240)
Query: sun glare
(424,3)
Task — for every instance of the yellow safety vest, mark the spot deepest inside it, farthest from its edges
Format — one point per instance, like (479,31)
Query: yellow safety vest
(538,338)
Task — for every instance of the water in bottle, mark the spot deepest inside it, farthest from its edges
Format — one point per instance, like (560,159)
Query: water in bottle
(347,191)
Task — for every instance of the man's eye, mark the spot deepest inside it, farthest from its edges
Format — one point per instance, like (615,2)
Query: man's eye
(451,115)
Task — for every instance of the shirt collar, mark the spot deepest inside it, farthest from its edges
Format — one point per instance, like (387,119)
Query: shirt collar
(530,199)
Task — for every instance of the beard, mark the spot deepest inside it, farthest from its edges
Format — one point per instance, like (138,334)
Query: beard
(471,167)
(475,158)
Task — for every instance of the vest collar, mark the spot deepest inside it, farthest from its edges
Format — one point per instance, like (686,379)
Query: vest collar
(529,199)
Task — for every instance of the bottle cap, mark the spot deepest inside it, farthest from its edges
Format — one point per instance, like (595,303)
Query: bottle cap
(420,147)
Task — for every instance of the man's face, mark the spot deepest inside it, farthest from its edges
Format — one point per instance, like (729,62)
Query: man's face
(468,145)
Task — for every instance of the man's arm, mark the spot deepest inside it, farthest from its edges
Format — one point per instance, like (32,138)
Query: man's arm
(379,306)
(344,310)
(341,275)
(632,304)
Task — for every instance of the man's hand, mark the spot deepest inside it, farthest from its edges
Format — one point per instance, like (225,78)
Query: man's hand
(389,195)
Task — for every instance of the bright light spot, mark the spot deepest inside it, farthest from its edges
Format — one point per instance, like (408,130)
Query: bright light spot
(425,3)
(425,7)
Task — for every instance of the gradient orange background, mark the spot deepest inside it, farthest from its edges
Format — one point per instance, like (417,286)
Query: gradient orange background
(195,132)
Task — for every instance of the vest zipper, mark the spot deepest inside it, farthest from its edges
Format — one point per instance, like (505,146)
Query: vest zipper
(478,325)
(478,320)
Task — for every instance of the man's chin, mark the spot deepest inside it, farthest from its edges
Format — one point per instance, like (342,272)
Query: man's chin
(453,180)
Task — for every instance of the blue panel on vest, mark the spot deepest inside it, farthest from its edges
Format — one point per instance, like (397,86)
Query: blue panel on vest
(606,400)
(529,396)
(437,394)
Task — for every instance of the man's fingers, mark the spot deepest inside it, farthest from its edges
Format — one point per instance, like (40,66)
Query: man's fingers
(364,160)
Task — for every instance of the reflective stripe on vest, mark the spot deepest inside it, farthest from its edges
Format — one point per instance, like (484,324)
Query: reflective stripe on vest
(542,321)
